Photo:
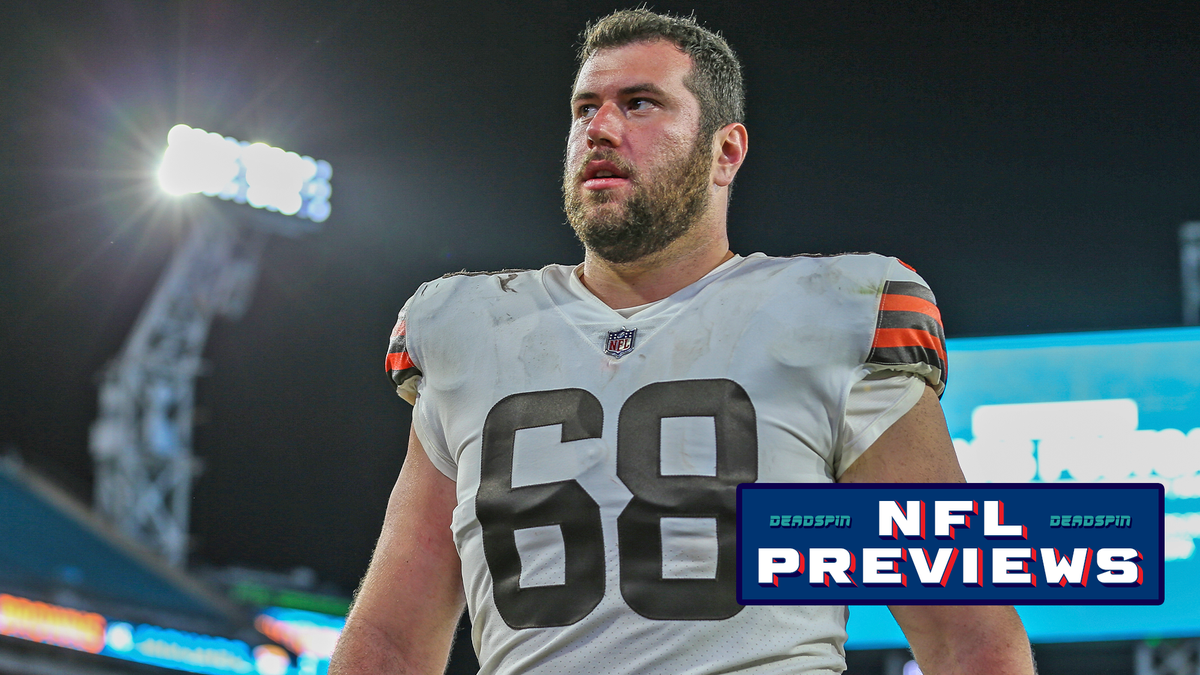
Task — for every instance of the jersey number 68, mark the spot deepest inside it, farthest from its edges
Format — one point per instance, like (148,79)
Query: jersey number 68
(503,509)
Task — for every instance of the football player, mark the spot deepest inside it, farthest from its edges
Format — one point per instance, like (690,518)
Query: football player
(579,431)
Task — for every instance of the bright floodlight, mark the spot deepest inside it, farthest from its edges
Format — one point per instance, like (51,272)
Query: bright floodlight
(257,174)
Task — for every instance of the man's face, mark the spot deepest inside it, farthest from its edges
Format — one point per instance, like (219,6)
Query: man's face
(636,175)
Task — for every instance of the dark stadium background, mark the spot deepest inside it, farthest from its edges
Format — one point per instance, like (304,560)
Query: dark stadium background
(1033,160)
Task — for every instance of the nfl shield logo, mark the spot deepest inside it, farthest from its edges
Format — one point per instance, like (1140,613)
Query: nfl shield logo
(619,342)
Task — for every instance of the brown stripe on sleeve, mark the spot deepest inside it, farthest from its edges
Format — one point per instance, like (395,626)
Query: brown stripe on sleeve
(909,329)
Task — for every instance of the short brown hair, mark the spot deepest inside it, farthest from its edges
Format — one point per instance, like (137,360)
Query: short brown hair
(716,76)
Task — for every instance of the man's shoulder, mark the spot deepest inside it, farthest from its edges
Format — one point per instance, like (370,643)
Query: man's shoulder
(851,271)
(847,284)
(818,260)
(498,280)
(465,286)
(465,300)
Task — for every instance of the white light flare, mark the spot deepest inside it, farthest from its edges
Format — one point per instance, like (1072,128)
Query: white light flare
(266,177)
(196,161)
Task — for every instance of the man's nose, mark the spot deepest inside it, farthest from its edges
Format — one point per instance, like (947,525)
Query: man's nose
(606,125)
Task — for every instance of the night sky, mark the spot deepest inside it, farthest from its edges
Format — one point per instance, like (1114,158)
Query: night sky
(1032,160)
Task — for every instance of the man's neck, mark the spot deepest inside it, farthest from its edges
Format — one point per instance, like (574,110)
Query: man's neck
(686,260)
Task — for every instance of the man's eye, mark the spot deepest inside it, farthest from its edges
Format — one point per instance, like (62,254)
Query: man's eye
(586,111)
(640,104)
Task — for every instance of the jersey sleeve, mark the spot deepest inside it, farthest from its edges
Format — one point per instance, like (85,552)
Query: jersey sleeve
(399,364)
(908,353)
(406,375)
(873,405)
(909,337)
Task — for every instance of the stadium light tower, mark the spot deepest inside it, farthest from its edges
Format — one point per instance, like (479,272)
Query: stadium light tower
(141,442)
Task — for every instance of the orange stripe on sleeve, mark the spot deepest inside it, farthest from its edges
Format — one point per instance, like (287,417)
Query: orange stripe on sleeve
(909,337)
(398,361)
(908,303)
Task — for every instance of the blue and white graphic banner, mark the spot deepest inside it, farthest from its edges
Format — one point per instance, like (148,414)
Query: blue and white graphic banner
(954,544)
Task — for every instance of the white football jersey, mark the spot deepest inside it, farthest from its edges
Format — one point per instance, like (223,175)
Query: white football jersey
(597,452)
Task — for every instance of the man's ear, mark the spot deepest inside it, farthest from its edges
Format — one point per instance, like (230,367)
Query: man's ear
(729,147)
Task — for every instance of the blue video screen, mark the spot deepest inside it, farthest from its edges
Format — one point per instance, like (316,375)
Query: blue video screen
(1117,406)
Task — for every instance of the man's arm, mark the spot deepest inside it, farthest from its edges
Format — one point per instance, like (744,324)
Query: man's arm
(944,639)
(407,608)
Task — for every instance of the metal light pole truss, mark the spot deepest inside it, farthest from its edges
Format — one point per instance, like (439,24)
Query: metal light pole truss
(141,442)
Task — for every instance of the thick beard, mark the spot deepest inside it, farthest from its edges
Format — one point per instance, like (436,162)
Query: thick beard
(659,211)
